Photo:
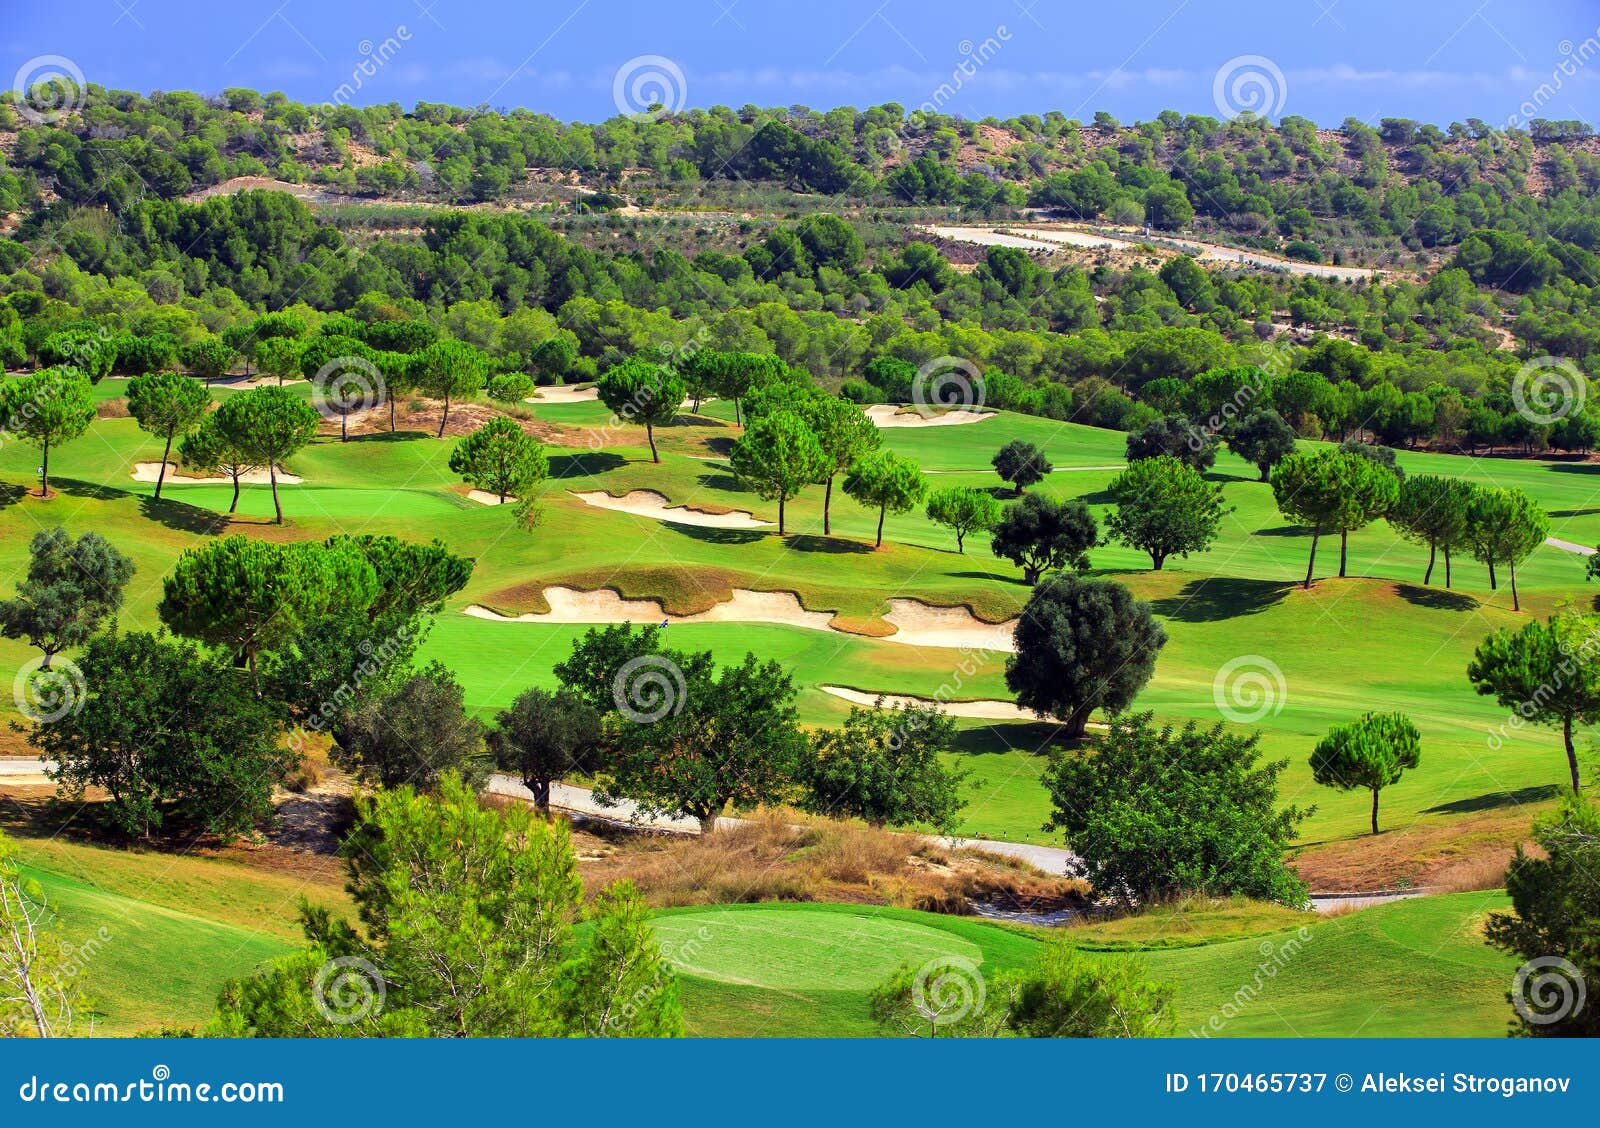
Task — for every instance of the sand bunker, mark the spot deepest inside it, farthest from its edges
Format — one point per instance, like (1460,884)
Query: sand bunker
(648,503)
(147,472)
(976,710)
(568,605)
(888,415)
(564,395)
(918,624)
(484,497)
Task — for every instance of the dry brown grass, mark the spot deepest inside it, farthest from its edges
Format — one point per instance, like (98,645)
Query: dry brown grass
(1436,853)
(782,856)
(111,409)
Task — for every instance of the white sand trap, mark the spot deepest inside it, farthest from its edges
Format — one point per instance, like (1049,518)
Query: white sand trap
(648,503)
(976,710)
(888,415)
(568,605)
(564,394)
(148,471)
(918,624)
(484,497)
(1568,546)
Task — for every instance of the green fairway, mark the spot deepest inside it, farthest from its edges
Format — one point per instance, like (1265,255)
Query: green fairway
(1324,655)
(1408,969)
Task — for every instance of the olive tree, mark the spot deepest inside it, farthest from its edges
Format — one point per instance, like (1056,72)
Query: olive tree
(1039,534)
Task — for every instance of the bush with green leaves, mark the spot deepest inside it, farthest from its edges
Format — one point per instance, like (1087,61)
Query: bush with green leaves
(415,734)
(885,766)
(544,736)
(1152,812)
(1040,534)
(1021,463)
(469,927)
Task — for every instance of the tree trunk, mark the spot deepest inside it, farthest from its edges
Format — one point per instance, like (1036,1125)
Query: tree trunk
(232,509)
(1515,606)
(737,421)
(1492,586)
(1266,474)
(827,501)
(1156,560)
(1030,575)
(161,475)
(1344,540)
(1428,575)
(541,793)
(272,473)
(344,427)
(708,824)
(780,515)
(1446,567)
(650,433)
(960,545)
(882,510)
(1572,753)
(1374,810)
(1312,563)
(391,415)
(1077,722)
(44,471)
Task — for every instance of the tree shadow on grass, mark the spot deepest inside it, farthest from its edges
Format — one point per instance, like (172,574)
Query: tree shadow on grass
(1290,531)
(1575,467)
(727,483)
(997,577)
(721,445)
(389,437)
(810,542)
(1000,737)
(577,465)
(1575,512)
(712,535)
(182,516)
(1216,598)
(93,490)
(1437,599)
(11,494)
(1497,799)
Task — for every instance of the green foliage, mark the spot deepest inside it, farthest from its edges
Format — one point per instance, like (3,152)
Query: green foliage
(501,458)
(1021,463)
(779,455)
(884,766)
(1082,645)
(47,408)
(1165,508)
(469,929)
(1153,813)
(963,510)
(1066,993)
(71,587)
(886,481)
(1557,917)
(208,447)
(169,733)
(207,358)
(1549,673)
(414,735)
(92,352)
(267,426)
(448,370)
(1040,534)
(845,435)
(545,736)
(1432,510)
(1371,752)
(168,406)
(1262,438)
(1175,437)
(1333,491)
(1504,526)
(638,391)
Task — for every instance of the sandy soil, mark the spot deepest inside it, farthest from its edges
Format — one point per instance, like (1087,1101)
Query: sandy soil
(147,472)
(977,710)
(563,394)
(889,415)
(484,497)
(648,503)
(918,624)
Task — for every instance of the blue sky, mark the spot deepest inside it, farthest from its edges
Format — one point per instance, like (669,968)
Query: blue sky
(1437,61)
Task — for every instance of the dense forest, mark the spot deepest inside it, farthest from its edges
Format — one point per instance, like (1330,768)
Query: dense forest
(560,249)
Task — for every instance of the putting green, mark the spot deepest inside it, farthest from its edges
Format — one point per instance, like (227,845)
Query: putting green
(793,949)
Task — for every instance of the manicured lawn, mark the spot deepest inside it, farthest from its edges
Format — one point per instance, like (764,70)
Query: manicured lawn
(1410,969)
